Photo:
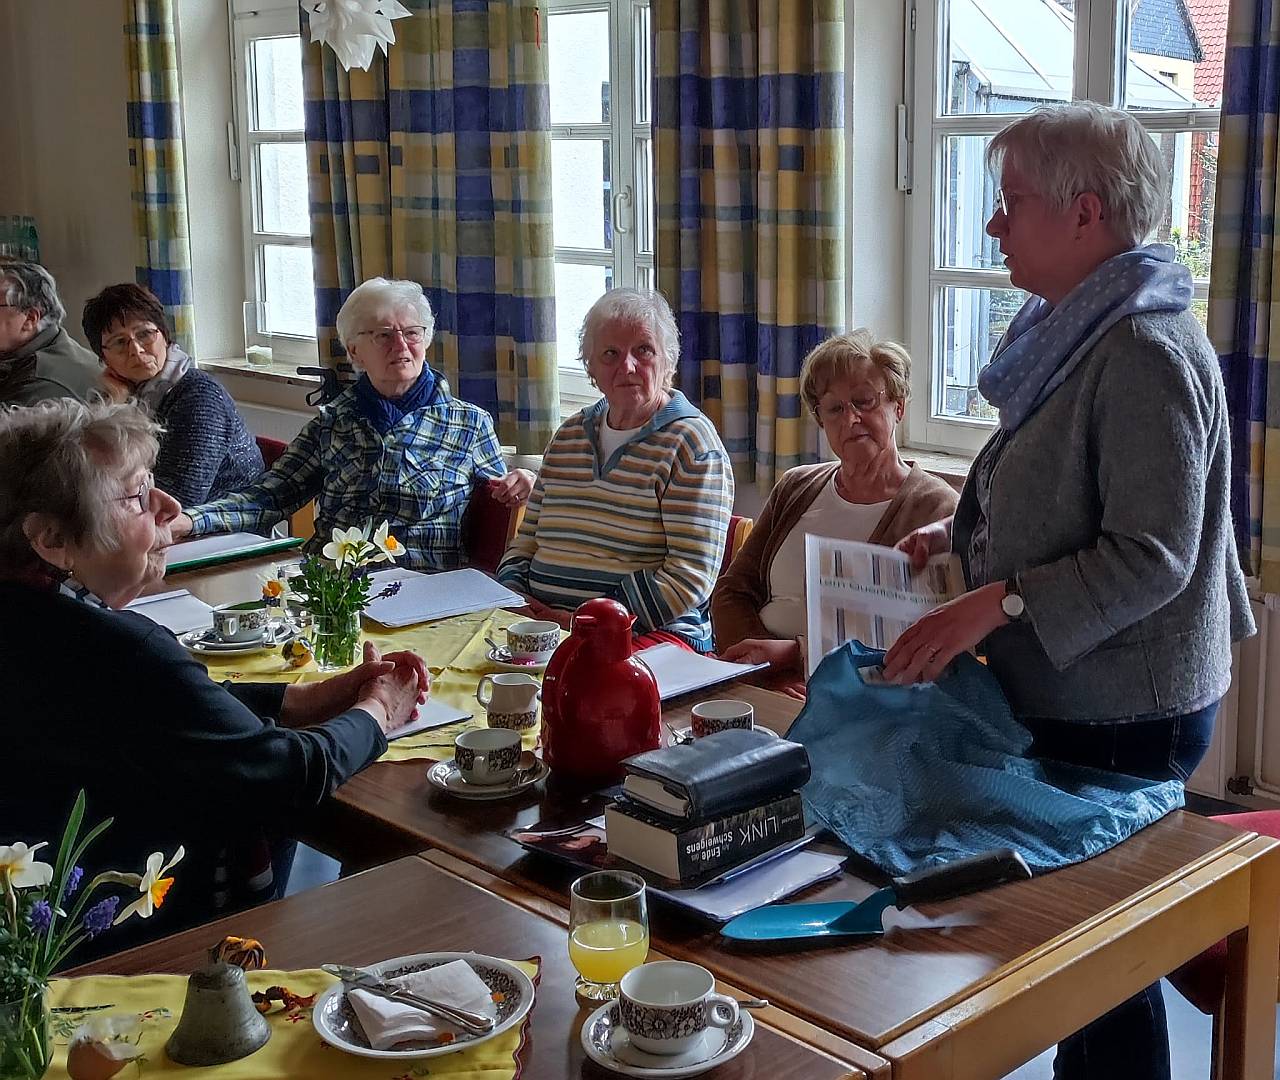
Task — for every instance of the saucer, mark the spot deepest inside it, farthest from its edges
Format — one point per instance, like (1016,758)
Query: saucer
(444,776)
(204,641)
(686,732)
(501,659)
(607,1043)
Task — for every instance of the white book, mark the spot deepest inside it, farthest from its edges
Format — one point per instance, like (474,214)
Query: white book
(433,714)
(680,671)
(424,597)
(178,610)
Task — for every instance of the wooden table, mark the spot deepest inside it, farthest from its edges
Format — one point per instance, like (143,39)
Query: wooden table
(414,906)
(970,988)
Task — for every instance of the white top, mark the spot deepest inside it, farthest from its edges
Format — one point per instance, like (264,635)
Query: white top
(611,439)
(784,616)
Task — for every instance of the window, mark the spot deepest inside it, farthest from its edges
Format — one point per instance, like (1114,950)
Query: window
(601,161)
(977,64)
(272,158)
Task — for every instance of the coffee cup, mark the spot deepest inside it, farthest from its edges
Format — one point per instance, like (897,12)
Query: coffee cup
(532,641)
(241,623)
(487,756)
(666,1006)
(510,700)
(721,714)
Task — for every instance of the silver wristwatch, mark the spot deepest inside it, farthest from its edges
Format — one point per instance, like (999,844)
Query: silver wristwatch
(1012,603)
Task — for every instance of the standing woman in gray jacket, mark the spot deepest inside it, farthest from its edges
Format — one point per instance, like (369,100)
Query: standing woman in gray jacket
(1095,528)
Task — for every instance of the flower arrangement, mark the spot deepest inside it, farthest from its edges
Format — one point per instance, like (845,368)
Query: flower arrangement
(46,915)
(334,589)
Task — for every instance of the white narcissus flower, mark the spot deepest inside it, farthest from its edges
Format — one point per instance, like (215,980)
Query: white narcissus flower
(388,545)
(153,886)
(19,868)
(345,546)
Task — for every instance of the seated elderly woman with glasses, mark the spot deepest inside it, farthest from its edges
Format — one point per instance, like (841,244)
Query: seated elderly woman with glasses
(856,388)
(106,700)
(635,492)
(397,445)
(205,449)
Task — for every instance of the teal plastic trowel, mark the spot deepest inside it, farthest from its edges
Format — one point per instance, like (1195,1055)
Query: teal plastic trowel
(864,918)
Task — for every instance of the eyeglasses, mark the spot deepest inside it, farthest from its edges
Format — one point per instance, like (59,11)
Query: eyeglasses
(144,337)
(1006,201)
(834,411)
(384,336)
(142,496)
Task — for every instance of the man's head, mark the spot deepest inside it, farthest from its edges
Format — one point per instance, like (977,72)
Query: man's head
(28,304)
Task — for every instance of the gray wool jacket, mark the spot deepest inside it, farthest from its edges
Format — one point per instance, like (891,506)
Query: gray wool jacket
(1110,507)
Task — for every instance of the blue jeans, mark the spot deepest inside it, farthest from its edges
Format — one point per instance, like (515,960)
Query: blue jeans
(1131,1042)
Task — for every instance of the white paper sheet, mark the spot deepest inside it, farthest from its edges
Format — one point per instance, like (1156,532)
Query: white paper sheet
(680,671)
(214,545)
(433,714)
(423,597)
(179,610)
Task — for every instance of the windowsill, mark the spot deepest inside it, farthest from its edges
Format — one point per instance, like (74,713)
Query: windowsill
(279,371)
(953,468)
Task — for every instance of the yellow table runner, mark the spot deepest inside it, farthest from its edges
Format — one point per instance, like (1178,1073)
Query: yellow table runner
(454,649)
(294,1049)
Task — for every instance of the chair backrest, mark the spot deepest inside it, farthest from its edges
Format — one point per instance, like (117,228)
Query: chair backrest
(487,527)
(739,529)
(271,448)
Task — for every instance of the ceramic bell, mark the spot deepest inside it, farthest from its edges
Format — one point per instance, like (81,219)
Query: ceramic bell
(219,1022)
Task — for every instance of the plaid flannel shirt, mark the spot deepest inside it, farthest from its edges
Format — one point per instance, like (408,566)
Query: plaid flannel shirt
(418,477)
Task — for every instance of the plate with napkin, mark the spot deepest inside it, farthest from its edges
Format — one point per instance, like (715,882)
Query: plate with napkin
(366,1024)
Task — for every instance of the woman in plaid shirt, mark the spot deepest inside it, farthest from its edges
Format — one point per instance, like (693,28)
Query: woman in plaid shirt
(396,445)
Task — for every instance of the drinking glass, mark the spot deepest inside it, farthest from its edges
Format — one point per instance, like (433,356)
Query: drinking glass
(257,333)
(608,932)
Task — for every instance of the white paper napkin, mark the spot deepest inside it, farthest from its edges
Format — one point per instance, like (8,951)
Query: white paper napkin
(387,1022)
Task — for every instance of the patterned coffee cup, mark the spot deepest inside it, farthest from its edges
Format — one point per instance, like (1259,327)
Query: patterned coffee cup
(487,756)
(243,622)
(667,1005)
(720,714)
(532,640)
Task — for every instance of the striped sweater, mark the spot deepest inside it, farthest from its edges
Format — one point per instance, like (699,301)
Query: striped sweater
(647,527)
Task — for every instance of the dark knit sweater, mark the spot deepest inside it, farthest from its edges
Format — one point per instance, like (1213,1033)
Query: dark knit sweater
(206,452)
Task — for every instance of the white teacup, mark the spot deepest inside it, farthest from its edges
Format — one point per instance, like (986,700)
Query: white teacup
(667,1005)
(487,756)
(532,641)
(511,700)
(243,622)
(720,714)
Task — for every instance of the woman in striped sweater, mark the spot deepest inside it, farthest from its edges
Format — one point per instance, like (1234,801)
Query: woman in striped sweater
(635,492)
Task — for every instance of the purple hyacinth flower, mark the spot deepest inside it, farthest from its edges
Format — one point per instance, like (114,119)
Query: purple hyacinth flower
(73,883)
(40,917)
(99,917)
(390,590)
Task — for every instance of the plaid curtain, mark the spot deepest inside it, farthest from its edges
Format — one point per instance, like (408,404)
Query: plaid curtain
(748,144)
(1244,289)
(159,189)
(435,165)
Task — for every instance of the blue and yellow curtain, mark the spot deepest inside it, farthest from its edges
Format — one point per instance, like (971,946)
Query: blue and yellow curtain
(748,144)
(159,188)
(435,165)
(1244,288)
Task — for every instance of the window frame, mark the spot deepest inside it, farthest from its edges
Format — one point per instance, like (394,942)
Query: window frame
(627,261)
(1099,52)
(254,21)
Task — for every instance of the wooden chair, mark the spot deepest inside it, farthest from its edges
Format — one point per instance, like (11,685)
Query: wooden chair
(739,529)
(487,527)
(1203,979)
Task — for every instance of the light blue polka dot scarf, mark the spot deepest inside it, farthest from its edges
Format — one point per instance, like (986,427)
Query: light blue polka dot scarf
(1044,344)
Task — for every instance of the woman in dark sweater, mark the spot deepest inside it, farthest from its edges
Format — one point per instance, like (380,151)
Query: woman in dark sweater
(206,452)
(107,701)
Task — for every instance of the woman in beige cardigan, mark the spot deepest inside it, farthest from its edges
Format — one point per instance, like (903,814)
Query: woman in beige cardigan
(857,389)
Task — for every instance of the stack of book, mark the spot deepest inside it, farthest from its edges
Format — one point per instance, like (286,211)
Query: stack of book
(697,811)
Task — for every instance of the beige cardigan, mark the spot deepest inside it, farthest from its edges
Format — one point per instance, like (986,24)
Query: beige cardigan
(743,590)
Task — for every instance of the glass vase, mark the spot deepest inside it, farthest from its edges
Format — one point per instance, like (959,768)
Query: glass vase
(25,1050)
(336,639)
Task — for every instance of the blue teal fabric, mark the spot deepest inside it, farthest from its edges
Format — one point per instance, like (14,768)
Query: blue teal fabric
(913,776)
(384,413)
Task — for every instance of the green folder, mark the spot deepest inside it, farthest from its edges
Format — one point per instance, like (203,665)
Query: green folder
(218,558)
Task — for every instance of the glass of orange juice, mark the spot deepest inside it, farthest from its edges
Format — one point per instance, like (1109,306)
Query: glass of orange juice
(608,931)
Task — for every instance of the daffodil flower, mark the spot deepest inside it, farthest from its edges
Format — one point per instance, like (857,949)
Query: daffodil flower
(153,886)
(388,546)
(19,868)
(273,590)
(345,546)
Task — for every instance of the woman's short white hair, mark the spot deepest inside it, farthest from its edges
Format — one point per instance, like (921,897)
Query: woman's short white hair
(382,294)
(644,307)
(1063,150)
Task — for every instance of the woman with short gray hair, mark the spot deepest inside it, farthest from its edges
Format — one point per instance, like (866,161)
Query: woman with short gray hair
(38,359)
(1095,526)
(106,700)
(635,492)
(395,446)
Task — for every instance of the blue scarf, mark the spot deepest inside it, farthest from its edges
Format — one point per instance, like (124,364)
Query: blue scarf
(1044,344)
(385,413)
